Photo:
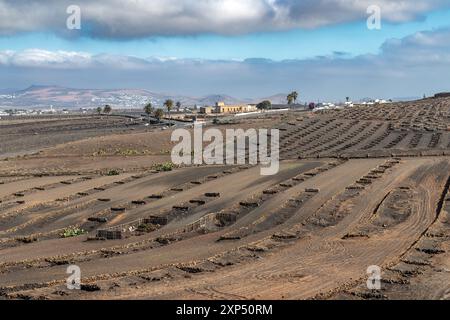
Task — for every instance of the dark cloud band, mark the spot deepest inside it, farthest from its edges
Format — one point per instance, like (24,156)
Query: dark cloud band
(125,19)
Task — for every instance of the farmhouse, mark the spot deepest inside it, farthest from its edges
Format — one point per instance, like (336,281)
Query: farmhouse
(239,108)
(206,110)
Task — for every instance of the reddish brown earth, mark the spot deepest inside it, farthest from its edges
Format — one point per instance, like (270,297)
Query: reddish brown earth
(382,176)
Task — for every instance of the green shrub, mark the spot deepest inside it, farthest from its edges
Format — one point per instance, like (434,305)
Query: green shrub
(99,153)
(167,166)
(127,152)
(72,232)
(113,173)
(146,228)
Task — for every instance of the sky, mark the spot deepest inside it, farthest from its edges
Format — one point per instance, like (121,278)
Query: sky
(245,48)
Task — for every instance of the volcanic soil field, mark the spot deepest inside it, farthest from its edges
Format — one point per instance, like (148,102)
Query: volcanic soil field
(357,187)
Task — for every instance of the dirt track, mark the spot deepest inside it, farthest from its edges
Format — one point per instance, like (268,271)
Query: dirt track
(219,232)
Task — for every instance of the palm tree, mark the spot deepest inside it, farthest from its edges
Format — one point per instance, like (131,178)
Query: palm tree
(178,104)
(158,114)
(169,105)
(107,109)
(148,109)
(290,99)
(294,96)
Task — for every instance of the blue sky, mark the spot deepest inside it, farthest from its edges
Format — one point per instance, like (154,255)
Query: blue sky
(207,44)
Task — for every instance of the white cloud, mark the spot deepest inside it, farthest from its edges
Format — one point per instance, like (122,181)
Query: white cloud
(39,58)
(421,47)
(425,46)
(44,58)
(410,66)
(143,18)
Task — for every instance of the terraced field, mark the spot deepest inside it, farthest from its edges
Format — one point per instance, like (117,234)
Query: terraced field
(23,136)
(403,129)
(357,187)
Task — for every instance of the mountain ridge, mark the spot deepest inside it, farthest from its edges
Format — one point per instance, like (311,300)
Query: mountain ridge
(36,96)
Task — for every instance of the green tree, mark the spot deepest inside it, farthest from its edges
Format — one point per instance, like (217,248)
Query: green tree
(265,105)
(178,104)
(290,99)
(99,110)
(158,114)
(294,96)
(107,109)
(148,109)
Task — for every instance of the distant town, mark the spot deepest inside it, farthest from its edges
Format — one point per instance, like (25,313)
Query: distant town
(220,108)
(43,100)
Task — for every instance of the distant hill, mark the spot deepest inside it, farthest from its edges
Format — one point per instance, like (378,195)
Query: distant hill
(7,91)
(61,97)
(212,99)
(398,99)
(276,99)
(442,95)
(39,96)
